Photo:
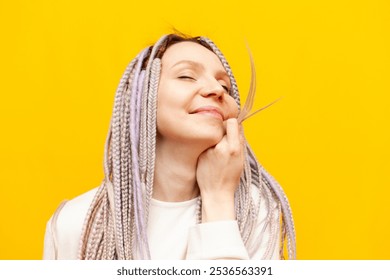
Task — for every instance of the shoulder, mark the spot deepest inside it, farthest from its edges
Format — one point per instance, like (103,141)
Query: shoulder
(74,211)
(79,204)
(69,224)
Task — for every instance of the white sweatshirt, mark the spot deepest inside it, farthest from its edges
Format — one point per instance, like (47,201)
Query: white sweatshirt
(172,233)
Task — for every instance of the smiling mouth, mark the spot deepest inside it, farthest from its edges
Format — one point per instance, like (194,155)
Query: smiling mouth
(210,111)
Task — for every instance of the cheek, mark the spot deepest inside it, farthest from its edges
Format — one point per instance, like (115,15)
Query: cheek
(232,107)
(166,123)
(170,110)
(164,111)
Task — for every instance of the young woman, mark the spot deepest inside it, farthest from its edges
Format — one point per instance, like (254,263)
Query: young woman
(180,180)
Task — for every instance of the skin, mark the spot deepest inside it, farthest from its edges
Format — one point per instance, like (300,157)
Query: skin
(199,146)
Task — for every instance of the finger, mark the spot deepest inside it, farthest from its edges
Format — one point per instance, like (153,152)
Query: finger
(242,135)
(242,142)
(223,141)
(233,133)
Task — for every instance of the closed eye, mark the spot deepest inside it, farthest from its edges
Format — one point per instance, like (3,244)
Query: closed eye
(225,88)
(186,78)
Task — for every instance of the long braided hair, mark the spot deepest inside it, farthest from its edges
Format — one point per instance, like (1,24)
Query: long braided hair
(116,223)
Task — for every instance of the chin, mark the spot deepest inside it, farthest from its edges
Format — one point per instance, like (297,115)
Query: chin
(211,139)
(196,134)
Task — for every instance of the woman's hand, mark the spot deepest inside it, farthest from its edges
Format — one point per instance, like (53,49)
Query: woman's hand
(218,174)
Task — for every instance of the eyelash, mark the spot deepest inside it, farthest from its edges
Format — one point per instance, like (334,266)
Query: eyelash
(225,88)
(186,77)
(191,78)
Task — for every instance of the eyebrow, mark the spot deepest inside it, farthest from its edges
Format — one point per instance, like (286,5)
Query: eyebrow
(198,65)
(191,62)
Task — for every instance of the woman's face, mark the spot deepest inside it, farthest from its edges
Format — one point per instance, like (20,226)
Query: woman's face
(193,96)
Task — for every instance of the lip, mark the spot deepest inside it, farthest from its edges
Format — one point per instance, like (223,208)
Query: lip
(210,110)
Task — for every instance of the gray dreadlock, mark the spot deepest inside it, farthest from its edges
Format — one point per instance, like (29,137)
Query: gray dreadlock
(116,223)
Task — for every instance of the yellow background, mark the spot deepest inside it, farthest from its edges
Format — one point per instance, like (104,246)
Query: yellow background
(326,141)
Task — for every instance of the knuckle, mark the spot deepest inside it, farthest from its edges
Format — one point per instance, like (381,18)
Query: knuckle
(235,151)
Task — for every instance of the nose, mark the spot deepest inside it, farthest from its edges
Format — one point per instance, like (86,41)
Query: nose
(214,89)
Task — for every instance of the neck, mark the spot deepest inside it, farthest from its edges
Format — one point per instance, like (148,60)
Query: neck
(175,171)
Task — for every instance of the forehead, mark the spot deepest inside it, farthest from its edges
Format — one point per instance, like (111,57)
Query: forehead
(190,51)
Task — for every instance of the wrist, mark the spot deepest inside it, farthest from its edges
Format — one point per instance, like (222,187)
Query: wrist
(218,208)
